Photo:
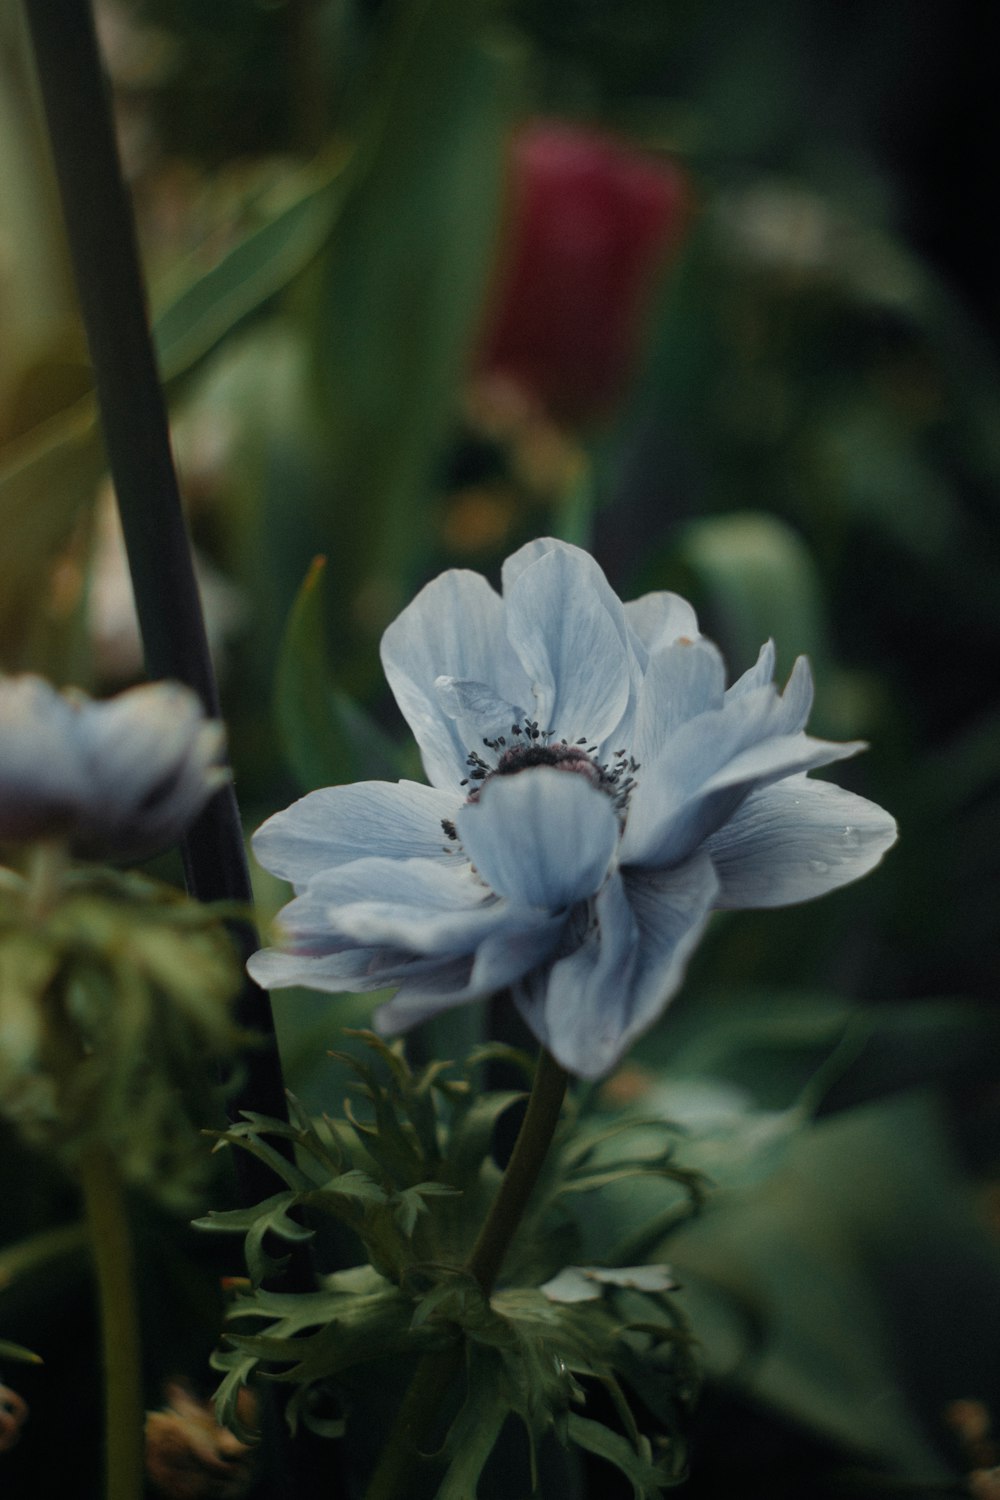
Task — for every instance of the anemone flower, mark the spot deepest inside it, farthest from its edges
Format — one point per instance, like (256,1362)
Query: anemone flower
(595,791)
(116,779)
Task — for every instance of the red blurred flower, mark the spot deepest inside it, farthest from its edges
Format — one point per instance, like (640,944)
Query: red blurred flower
(592,223)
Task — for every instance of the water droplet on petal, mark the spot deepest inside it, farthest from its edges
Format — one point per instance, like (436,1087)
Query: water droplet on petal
(819,866)
(851,837)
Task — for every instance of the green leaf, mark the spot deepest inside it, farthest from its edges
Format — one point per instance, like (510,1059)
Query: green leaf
(400,289)
(755,579)
(327,739)
(648,1480)
(18,1352)
(197,309)
(474,1432)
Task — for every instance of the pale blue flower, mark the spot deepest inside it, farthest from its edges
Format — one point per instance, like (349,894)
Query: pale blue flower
(595,792)
(118,778)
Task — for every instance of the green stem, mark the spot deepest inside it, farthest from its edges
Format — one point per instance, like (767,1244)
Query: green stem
(526,1161)
(393,1477)
(111,1247)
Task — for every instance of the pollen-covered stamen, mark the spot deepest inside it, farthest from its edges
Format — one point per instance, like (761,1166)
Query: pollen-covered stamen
(530,746)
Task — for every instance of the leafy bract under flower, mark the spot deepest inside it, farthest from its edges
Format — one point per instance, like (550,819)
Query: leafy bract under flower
(596,791)
(114,779)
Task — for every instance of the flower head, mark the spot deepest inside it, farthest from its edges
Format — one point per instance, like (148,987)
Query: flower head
(596,791)
(119,778)
(592,223)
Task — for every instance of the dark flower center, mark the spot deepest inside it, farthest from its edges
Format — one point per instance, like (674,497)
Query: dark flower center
(533,747)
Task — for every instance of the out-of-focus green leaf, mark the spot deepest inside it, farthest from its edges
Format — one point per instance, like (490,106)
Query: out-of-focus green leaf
(49,476)
(755,578)
(327,738)
(397,295)
(197,309)
(812,1293)
(46,481)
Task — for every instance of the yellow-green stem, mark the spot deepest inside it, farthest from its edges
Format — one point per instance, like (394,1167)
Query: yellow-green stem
(111,1247)
(435,1372)
(47,860)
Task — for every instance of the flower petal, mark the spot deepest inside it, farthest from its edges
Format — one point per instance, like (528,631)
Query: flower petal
(568,628)
(479,714)
(759,675)
(542,837)
(43,780)
(681,681)
(588,992)
(453,628)
(796,840)
(152,761)
(711,762)
(417,906)
(338,824)
(622,976)
(661,619)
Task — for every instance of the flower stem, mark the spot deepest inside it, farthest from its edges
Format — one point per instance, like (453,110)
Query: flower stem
(526,1161)
(111,1247)
(393,1477)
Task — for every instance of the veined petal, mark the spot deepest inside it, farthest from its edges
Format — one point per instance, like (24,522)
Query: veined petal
(338,824)
(568,628)
(587,1003)
(661,619)
(757,676)
(453,628)
(618,982)
(479,714)
(418,906)
(279,969)
(796,840)
(682,824)
(681,681)
(751,739)
(541,837)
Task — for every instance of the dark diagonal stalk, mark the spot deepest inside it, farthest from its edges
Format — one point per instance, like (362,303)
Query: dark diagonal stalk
(102,242)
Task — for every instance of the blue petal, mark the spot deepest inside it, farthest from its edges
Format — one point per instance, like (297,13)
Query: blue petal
(43,774)
(417,906)
(568,628)
(542,838)
(619,980)
(277,969)
(662,619)
(453,628)
(796,840)
(759,675)
(711,762)
(671,909)
(681,681)
(586,1000)
(342,823)
(152,761)
(480,715)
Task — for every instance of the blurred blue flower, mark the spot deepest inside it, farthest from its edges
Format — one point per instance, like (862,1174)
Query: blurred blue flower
(595,792)
(114,779)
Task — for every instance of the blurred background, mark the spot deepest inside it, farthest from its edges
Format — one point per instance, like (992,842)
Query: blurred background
(710,289)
